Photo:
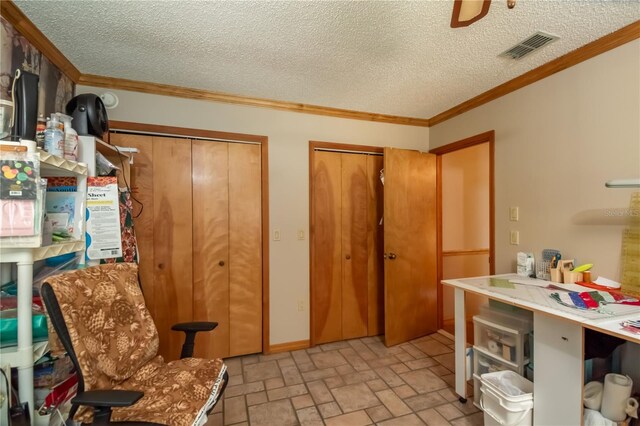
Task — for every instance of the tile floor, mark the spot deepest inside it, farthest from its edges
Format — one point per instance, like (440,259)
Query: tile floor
(351,383)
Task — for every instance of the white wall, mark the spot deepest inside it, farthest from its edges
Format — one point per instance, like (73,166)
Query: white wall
(289,135)
(557,142)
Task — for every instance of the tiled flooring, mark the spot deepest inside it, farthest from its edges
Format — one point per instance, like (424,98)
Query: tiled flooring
(351,383)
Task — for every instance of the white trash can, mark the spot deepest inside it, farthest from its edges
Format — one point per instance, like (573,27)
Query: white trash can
(507,399)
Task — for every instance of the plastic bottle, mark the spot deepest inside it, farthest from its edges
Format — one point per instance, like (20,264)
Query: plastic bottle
(54,137)
(70,138)
(40,128)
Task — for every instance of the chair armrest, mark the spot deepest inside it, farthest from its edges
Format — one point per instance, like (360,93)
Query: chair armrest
(103,400)
(107,398)
(194,326)
(190,329)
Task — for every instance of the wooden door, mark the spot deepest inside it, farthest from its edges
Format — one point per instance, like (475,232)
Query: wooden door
(227,242)
(245,249)
(172,241)
(200,239)
(346,250)
(210,176)
(326,258)
(355,313)
(410,245)
(375,243)
(466,216)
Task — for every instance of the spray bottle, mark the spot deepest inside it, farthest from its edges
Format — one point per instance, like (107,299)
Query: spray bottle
(54,137)
(70,138)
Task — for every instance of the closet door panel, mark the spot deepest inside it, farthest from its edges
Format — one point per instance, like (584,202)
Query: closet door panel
(245,249)
(375,241)
(172,246)
(326,264)
(142,190)
(354,246)
(410,244)
(210,175)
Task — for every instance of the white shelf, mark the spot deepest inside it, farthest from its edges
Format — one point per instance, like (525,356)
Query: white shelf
(11,255)
(54,250)
(22,355)
(52,165)
(10,355)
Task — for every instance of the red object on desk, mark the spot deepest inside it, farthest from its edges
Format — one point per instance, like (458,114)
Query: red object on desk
(609,290)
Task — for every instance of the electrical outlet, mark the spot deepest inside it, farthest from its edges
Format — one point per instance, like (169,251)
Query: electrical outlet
(300,305)
(514,238)
(300,234)
(276,235)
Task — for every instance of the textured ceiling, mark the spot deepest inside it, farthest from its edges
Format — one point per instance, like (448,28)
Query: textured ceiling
(398,58)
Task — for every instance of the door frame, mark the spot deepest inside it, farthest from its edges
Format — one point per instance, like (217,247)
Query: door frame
(263,141)
(332,146)
(486,137)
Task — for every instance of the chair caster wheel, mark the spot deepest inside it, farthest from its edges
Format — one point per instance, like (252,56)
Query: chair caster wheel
(462,400)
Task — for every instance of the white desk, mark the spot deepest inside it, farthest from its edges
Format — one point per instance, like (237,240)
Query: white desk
(558,343)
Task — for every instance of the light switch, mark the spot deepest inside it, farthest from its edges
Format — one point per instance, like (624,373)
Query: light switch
(300,234)
(276,235)
(514,238)
(513,214)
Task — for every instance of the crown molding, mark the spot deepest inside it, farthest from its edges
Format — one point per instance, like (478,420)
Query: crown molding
(24,26)
(185,92)
(610,41)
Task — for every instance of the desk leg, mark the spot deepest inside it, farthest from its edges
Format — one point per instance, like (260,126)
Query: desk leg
(461,344)
(558,371)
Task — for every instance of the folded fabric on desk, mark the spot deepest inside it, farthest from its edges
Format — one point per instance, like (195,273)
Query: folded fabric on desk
(592,299)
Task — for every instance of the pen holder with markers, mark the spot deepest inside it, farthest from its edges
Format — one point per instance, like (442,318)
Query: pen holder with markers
(561,272)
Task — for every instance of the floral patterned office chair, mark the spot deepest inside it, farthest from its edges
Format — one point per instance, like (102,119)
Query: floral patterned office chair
(101,319)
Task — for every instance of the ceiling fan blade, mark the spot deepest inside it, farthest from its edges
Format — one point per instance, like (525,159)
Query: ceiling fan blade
(466,12)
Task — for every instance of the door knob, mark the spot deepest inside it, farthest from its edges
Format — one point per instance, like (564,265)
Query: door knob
(392,256)
(384,255)
(348,257)
(221,263)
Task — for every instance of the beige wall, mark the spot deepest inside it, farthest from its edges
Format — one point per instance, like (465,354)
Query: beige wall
(289,135)
(557,142)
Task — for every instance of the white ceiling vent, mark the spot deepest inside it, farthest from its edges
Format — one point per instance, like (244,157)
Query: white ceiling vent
(531,44)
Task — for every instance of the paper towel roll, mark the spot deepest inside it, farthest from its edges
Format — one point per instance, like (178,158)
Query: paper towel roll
(593,395)
(493,347)
(617,390)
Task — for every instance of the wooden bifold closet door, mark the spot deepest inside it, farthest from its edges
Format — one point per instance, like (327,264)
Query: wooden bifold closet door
(347,261)
(227,246)
(200,239)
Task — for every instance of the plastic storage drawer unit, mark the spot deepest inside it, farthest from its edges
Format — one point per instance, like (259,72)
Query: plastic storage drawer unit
(506,344)
(485,363)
